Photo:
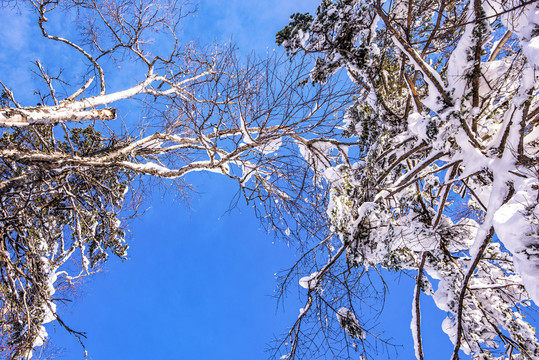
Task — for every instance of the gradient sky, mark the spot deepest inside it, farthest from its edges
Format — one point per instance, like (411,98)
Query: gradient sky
(199,281)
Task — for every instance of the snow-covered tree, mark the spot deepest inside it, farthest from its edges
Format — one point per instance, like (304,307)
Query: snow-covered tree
(448,183)
(68,165)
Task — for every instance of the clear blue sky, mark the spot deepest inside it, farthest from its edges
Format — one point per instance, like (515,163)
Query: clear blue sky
(198,282)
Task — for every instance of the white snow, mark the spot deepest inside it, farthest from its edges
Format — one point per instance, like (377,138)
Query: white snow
(517,226)
(309,282)
(418,125)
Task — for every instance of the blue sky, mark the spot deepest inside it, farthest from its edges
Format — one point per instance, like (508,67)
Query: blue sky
(198,284)
(199,280)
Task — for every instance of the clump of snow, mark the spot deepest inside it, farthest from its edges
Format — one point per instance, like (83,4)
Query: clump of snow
(348,321)
(517,225)
(309,282)
(40,338)
(316,154)
(270,146)
(418,125)
(303,37)
(287,231)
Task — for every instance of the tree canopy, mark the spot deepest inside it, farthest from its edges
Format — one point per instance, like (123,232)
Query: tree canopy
(447,185)
(408,144)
